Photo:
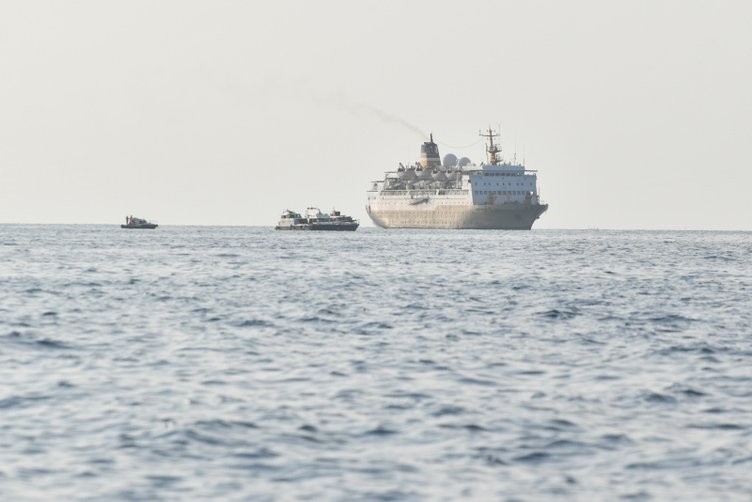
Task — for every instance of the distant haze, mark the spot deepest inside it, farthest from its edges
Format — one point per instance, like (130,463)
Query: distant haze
(635,114)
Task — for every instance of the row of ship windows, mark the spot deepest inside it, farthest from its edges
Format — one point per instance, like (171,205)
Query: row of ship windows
(503,184)
(459,202)
(495,192)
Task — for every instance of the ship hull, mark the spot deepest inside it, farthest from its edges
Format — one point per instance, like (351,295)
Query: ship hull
(500,217)
(334,227)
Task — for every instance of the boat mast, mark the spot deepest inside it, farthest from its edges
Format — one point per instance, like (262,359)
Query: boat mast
(492,149)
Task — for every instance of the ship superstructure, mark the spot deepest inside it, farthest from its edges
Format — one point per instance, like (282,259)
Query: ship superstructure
(314,219)
(455,193)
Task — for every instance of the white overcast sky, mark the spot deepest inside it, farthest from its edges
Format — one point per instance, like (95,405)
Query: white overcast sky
(636,114)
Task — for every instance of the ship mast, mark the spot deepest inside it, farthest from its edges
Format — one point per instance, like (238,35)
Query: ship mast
(492,149)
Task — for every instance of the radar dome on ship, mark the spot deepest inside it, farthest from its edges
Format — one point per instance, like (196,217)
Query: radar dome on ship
(450,160)
(464,161)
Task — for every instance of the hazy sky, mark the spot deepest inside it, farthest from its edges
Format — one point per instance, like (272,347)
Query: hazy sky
(637,114)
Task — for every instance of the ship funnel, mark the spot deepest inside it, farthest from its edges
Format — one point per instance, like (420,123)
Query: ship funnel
(429,154)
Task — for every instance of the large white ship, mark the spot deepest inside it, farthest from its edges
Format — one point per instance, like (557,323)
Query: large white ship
(456,193)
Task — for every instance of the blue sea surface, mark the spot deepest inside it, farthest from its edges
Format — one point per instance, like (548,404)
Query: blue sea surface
(240,363)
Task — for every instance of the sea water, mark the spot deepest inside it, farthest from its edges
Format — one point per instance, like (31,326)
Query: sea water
(240,363)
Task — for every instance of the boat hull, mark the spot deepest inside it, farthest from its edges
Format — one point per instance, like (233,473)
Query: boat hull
(319,227)
(145,226)
(500,217)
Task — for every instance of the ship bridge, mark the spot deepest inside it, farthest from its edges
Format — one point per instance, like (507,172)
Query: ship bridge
(503,183)
(500,182)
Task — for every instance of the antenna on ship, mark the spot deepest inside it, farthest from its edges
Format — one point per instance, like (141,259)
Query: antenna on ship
(492,149)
